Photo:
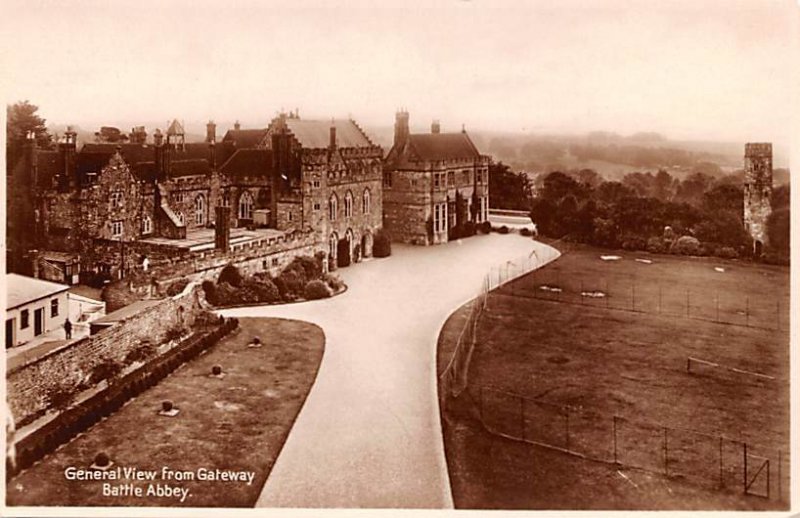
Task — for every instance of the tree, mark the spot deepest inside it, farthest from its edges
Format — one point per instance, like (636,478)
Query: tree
(508,190)
(22,118)
(725,197)
(778,226)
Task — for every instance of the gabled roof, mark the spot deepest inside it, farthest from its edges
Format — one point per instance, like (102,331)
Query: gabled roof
(313,134)
(442,146)
(175,128)
(248,162)
(22,289)
(247,138)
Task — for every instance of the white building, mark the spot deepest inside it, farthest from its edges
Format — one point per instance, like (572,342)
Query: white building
(33,307)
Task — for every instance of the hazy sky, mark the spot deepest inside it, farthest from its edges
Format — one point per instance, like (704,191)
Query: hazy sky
(711,70)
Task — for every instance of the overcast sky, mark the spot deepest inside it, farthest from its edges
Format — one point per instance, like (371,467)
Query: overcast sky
(710,70)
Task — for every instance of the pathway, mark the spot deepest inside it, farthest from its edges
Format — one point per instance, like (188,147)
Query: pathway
(369,433)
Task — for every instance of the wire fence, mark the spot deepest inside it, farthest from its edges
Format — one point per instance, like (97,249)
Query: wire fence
(707,460)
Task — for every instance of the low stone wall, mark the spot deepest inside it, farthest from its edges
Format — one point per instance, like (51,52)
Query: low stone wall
(82,416)
(71,365)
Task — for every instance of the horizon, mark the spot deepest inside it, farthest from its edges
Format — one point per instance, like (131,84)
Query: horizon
(707,72)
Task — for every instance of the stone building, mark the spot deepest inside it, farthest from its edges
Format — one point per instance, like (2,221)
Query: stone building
(328,179)
(112,209)
(433,185)
(757,192)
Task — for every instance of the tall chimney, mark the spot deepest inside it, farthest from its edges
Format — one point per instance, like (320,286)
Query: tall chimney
(211,132)
(158,141)
(237,126)
(435,128)
(66,150)
(401,128)
(332,143)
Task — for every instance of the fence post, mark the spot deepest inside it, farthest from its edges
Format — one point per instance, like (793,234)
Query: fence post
(744,476)
(666,455)
(721,479)
(615,441)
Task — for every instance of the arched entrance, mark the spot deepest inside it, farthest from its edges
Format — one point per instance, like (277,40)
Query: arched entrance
(333,242)
(348,235)
(366,244)
(758,248)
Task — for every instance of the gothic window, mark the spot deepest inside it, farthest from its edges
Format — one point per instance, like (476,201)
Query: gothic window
(181,218)
(315,183)
(348,204)
(116,229)
(366,202)
(116,199)
(387,179)
(245,206)
(226,199)
(333,207)
(316,206)
(200,209)
(179,197)
(147,225)
(451,178)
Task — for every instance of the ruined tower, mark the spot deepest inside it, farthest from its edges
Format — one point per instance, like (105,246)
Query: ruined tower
(757,192)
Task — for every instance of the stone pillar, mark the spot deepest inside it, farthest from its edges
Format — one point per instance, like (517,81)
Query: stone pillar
(222,228)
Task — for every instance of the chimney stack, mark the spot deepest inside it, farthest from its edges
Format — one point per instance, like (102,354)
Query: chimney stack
(211,132)
(401,128)
(66,148)
(237,126)
(332,143)
(435,128)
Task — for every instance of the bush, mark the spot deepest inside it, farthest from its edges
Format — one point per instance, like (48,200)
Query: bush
(470,229)
(632,242)
(485,227)
(144,351)
(263,290)
(776,258)
(174,333)
(503,230)
(317,289)
(230,275)
(657,245)
(177,287)
(726,252)
(291,283)
(382,245)
(226,295)
(333,282)
(106,370)
(60,397)
(310,266)
(525,231)
(210,289)
(686,245)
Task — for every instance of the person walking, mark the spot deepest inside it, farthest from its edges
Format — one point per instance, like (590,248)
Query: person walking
(68,329)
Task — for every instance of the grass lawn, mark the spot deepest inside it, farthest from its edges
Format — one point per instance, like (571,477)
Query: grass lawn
(561,350)
(237,423)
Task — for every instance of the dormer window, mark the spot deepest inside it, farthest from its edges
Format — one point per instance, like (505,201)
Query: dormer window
(116,199)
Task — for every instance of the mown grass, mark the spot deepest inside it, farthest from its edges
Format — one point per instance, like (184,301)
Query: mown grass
(563,350)
(239,422)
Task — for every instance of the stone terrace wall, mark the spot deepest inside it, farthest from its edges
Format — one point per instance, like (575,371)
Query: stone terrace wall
(69,366)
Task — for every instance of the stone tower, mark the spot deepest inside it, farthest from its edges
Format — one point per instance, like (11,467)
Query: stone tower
(757,192)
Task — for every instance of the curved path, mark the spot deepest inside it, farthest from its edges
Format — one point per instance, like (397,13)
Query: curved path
(369,433)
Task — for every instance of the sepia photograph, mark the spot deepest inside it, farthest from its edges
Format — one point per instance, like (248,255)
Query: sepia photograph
(264,257)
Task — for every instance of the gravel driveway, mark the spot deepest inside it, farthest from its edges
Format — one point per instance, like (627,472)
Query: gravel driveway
(369,433)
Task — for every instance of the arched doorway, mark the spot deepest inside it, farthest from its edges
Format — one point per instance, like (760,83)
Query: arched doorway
(333,243)
(758,248)
(366,244)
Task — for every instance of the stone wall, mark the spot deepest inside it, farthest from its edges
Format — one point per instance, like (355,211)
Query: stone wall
(71,365)
(757,191)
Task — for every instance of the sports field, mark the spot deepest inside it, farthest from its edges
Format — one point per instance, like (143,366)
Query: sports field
(626,384)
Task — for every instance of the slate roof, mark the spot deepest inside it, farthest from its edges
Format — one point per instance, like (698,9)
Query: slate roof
(245,138)
(314,134)
(22,289)
(248,162)
(442,146)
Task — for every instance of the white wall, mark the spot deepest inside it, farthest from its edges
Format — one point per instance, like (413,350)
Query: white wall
(51,323)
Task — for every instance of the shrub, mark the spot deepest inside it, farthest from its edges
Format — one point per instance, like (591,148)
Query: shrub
(525,231)
(726,252)
(310,266)
(686,245)
(333,282)
(656,245)
(455,232)
(317,289)
(631,242)
(144,351)
(503,230)
(776,258)
(106,370)
(177,287)
(174,333)
(210,289)
(216,370)
(226,295)
(230,275)
(485,227)
(264,290)
(60,397)
(382,245)
(102,459)
(291,283)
